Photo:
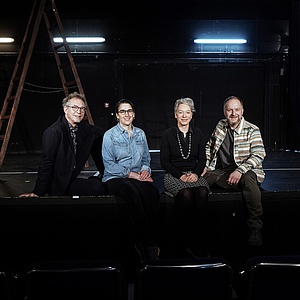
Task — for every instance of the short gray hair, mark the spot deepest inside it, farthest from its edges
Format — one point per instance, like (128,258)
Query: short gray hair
(74,95)
(187,101)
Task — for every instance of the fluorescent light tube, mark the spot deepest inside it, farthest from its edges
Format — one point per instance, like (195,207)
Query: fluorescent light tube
(6,40)
(80,39)
(220,41)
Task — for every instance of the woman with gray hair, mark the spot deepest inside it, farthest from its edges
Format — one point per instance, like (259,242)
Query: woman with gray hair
(182,155)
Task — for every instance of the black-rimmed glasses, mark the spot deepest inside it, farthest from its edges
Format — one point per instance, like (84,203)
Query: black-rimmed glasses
(123,111)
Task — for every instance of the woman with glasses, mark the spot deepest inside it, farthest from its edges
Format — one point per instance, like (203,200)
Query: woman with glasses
(127,174)
(182,155)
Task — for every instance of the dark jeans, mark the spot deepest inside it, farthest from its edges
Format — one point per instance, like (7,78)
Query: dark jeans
(143,199)
(251,193)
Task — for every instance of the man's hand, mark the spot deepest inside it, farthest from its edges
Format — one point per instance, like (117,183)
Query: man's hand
(29,195)
(234,178)
(204,171)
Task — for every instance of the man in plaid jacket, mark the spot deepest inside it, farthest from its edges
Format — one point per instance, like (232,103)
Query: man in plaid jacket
(234,156)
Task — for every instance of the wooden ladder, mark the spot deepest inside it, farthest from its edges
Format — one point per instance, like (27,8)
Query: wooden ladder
(67,69)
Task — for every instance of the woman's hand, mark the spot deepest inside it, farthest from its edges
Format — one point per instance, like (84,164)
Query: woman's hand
(189,177)
(141,176)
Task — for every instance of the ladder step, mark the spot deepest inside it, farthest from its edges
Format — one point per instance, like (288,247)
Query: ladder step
(6,117)
(58,46)
(21,61)
(16,80)
(2,137)
(70,83)
(10,98)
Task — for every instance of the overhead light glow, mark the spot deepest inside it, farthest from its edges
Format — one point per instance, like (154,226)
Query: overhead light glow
(6,40)
(80,39)
(220,41)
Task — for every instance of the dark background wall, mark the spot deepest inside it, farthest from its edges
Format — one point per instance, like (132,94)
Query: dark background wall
(149,57)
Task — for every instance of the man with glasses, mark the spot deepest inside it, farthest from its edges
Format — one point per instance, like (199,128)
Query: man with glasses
(66,146)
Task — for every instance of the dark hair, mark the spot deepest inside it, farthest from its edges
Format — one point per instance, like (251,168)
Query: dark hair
(233,97)
(121,102)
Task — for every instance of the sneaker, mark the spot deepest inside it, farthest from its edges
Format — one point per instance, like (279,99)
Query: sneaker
(153,253)
(141,251)
(254,238)
(198,252)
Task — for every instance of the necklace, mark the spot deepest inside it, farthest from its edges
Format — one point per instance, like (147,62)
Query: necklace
(189,147)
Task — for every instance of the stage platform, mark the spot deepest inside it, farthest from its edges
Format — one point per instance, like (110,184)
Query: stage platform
(19,172)
(60,228)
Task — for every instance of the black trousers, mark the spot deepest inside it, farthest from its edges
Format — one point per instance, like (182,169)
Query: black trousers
(86,187)
(143,199)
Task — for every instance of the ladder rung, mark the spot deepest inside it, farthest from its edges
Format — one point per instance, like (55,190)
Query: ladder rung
(10,98)
(58,46)
(70,83)
(16,79)
(5,117)
(1,137)
(21,61)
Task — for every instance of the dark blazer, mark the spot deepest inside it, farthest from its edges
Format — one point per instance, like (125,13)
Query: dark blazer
(58,157)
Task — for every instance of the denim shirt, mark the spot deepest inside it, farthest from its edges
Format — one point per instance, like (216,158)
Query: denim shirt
(122,154)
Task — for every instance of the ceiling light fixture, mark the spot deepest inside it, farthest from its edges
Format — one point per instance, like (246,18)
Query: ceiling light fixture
(80,39)
(6,40)
(220,41)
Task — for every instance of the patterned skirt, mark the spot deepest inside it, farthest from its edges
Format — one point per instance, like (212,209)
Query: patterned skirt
(173,185)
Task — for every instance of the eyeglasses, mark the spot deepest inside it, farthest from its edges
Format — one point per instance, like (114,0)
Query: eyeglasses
(76,108)
(123,112)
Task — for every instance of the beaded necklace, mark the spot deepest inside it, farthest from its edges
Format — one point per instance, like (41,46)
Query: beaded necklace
(189,147)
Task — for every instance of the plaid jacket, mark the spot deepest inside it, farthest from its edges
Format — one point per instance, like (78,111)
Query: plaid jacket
(249,150)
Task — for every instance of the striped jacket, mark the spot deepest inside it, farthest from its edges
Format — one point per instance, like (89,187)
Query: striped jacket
(249,150)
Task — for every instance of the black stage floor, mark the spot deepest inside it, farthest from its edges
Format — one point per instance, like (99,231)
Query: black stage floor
(19,172)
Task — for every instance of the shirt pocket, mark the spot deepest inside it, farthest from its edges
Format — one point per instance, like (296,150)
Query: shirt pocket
(120,149)
(140,144)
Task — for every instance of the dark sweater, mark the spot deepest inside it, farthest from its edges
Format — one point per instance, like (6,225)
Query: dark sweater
(171,158)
